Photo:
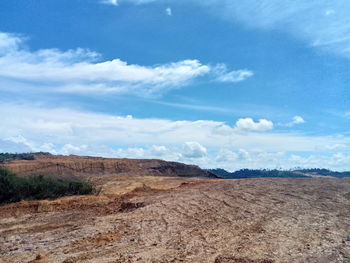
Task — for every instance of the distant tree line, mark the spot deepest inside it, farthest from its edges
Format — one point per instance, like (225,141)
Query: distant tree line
(256,173)
(19,156)
(14,188)
(274,173)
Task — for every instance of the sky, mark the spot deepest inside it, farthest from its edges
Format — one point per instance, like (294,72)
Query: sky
(218,83)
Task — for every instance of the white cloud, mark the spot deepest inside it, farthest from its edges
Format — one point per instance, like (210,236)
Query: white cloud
(337,161)
(159,150)
(304,20)
(80,71)
(72,149)
(168,11)
(66,126)
(13,147)
(224,75)
(9,43)
(323,24)
(298,120)
(225,156)
(334,147)
(295,121)
(235,160)
(248,124)
(194,150)
(110,2)
(203,142)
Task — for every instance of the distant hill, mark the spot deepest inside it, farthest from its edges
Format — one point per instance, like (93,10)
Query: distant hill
(264,173)
(249,173)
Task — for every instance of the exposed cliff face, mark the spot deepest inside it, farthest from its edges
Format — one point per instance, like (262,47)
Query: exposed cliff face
(86,167)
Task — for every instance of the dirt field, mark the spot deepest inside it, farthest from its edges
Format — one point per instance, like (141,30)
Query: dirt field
(185,220)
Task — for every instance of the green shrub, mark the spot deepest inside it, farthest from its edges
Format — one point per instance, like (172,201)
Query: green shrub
(14,188)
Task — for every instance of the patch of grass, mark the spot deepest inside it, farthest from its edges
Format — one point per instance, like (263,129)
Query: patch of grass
(14,188)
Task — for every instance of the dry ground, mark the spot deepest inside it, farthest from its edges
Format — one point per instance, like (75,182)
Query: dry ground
(185,220)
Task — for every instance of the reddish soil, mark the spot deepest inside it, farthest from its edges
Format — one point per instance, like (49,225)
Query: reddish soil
(185,220)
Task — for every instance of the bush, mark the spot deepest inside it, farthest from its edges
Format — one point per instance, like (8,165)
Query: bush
(14,188)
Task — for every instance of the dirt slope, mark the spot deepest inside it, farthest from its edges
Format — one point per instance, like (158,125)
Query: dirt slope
(88,168)
(191,220)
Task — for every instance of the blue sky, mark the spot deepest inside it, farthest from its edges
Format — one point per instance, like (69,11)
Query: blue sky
(218,83)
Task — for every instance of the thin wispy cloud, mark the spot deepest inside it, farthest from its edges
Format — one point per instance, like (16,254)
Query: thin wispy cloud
(295,121)
(302,19)
(322,23)
(225,75)
(197,107)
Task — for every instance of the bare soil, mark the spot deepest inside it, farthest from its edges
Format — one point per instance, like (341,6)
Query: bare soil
(162,219)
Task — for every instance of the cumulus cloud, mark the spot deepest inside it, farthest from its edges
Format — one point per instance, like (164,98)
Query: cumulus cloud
(248,124)
(66,126)
(298,120)
(81,71)
(159,150)
(194,150)
(67,131)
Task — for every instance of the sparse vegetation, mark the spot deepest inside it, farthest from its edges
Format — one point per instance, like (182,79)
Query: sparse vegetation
(15,156)
(14,188)
(19,156)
